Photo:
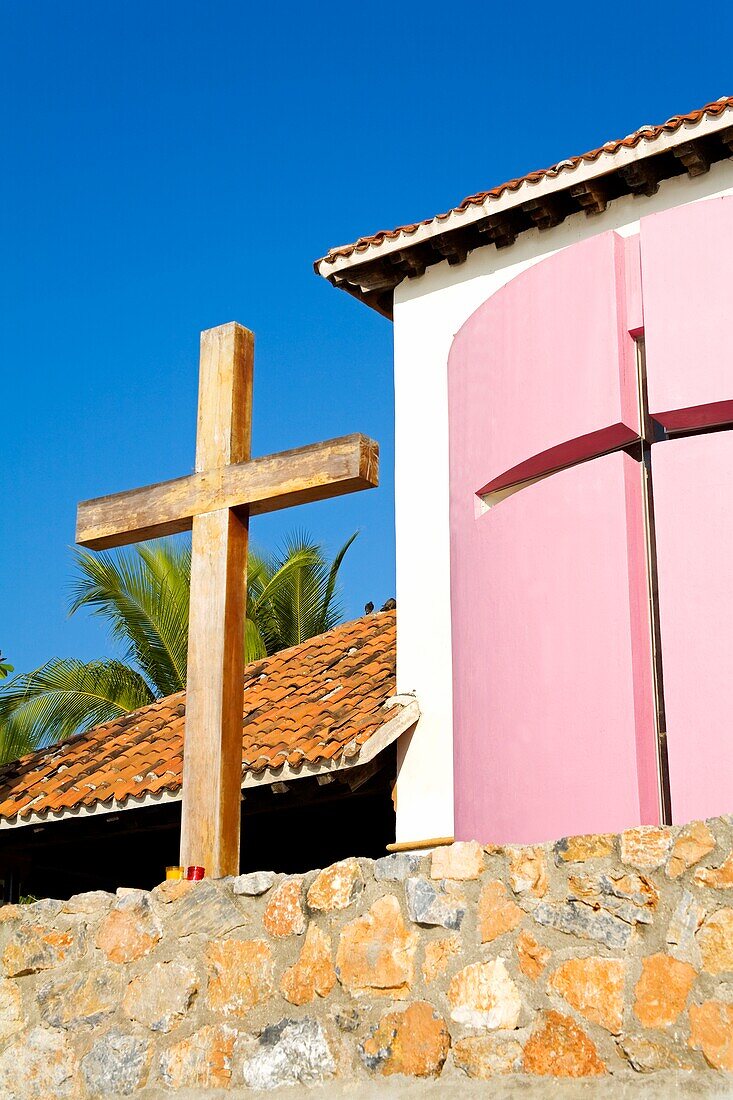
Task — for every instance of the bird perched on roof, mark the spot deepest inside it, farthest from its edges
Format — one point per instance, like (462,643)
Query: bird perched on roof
(368,608)
(390,605)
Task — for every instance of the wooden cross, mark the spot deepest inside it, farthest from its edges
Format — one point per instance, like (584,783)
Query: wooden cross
(216,502)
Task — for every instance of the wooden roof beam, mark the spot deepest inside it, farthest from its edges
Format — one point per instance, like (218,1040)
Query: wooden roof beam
(693,157)
(640,177)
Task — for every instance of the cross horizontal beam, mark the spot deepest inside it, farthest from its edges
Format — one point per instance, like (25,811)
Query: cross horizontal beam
(322,470)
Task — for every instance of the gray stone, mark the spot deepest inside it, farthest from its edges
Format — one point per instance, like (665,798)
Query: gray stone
(73,998)
(629,896)
(650,1056)
(578,919)
(430,903)
(291,1052)
(206,908)
(396,867)
(254,884)
(686,919)
(115,1064)
(93,901)
(39,1065)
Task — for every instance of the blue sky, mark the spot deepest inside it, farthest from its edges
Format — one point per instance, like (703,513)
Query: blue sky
(172,166)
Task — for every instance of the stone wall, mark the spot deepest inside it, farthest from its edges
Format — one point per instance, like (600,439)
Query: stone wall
(597,955)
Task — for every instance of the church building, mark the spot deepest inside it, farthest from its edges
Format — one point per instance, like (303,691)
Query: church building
(563,375)
(564,476)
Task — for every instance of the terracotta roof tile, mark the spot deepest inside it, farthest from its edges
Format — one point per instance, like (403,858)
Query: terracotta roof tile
(306,704)
(646,134)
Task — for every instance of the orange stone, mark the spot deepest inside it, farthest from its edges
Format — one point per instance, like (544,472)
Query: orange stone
(484,995)
(497,912)
(528,871)
(693,844)
(240,975)
(483,1056)
(376,951)
(578,849)
(559,1048)
(202,1060)
(36,947)
(336,887)
(127,933)
(715,939)
(711,1031)
(438,954)
(717,878)
(414,1042)
(284,914)
(646,847)
(532,956)
(662,990)
(462,861)
(595,987)
(313,974)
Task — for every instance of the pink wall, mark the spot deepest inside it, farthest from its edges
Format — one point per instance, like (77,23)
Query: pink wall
(551,366)
(553,723)
(687,274)
(693,496)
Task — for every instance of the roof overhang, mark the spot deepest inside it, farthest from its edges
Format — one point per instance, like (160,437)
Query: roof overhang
(372,267)
(407,712)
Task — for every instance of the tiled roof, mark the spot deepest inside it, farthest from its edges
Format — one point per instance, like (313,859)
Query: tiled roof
(646,141)
(306,709)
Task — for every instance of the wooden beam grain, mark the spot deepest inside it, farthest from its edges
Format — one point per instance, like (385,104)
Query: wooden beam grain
(317,472)
(212,742)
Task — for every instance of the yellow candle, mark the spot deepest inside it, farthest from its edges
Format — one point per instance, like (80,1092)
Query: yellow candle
(173,873)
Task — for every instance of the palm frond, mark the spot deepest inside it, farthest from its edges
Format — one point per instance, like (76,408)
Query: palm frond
(65,697)
(143,596)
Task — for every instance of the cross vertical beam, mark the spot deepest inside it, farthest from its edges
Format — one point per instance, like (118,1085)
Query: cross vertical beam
(212,758)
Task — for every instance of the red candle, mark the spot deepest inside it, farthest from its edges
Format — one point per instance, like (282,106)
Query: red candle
(195,874)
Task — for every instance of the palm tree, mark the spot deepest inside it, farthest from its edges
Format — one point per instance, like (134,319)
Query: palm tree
(142,594)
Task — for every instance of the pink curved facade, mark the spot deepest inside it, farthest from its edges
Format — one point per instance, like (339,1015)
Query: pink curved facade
(555,708)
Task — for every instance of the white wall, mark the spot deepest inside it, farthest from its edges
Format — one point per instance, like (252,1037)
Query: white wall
(428,312)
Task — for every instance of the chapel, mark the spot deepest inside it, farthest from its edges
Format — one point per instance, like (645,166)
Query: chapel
(563,375)
(563,383)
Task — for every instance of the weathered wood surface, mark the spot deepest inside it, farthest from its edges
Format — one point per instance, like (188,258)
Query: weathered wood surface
(317,472)
(212,746)
(216,502)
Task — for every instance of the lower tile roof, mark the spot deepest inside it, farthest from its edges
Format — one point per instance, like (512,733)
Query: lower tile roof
(329,702)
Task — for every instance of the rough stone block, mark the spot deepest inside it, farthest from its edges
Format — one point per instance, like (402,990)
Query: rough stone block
(662,990)
(434,904)
(117,1064)
(711,1031)
(595,988)
(240,975)
(463,860)
(692,844)
(254,884)
(557,1047)
(292,1052)
(715,940)
(497,912)
(284,915)
(483,1056)
(162,995)
(336,887)
(71,998)
(200,1061)
(414,1042)
(396,867)
(577,919)
(376,952)
(484,995)
(313,974)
